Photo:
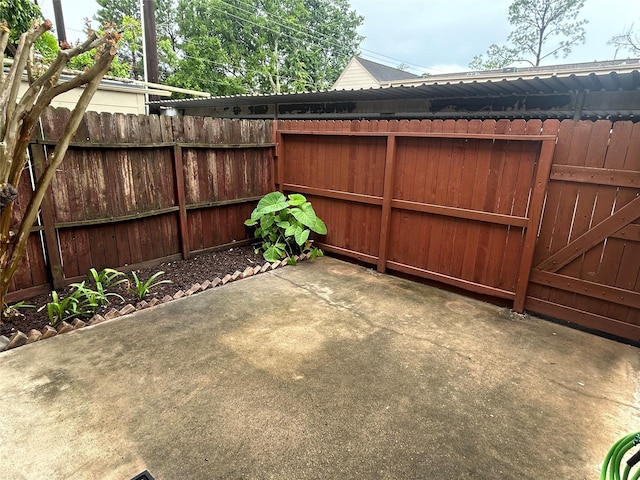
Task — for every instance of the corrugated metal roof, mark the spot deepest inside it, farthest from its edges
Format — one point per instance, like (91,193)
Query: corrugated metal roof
(611,81)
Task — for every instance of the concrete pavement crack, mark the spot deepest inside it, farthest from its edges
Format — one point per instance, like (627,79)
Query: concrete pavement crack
(596,397)
(368,321)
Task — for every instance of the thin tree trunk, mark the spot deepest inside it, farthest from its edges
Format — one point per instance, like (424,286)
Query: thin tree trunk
(19,118)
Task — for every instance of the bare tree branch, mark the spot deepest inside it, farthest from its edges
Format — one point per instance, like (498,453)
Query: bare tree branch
(18,119)
(22,236)
(9,93)
(4,39)
(30,117)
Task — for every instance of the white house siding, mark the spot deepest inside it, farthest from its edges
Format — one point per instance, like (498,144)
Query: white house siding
(103,100)
(355,76)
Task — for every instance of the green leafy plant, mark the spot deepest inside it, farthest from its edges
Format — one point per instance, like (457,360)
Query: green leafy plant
(92,299)
(142,289)
(81,302)
(88,299)
(284,224)
(62,309)
(106,279)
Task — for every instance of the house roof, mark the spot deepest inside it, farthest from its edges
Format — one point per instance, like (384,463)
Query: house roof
(526,73)
(383,73)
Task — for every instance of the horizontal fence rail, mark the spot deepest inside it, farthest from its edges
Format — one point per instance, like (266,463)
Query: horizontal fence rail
(138,190)
(542,213)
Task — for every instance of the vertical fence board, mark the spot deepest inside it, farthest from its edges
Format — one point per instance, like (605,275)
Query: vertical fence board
(472,175)
(464,232)
(107,203)
(450,262)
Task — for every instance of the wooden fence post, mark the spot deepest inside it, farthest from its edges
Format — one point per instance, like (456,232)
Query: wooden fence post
(52,245)
(276,139)
(279,162)
(387,196)
(537,201)
(182,204)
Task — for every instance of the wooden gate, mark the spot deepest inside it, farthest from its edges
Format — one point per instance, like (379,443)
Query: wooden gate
(587,261)
(454,201)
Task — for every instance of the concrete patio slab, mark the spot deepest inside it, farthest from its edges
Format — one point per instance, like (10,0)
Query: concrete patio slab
(323,371)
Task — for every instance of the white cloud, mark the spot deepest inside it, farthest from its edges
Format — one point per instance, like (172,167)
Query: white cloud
(435,34)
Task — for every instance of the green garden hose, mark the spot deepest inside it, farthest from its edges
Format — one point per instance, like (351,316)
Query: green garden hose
(613,460)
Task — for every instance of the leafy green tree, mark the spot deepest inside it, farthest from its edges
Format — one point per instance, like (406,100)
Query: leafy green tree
(18,14)
(264,45)
(541,29)
(332,45)
(235,46)
(126,14)
(207,47)
(498,56)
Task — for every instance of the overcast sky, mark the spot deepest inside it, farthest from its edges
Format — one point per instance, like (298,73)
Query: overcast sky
(438,36)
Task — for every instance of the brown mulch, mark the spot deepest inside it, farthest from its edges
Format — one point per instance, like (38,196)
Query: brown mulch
(182,274)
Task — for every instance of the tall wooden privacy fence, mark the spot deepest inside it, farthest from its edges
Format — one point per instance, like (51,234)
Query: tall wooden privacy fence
(460,202)
(140,189)
(545,214)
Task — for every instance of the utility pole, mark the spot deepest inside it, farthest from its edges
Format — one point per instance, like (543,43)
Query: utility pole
(57,12)
(150,50)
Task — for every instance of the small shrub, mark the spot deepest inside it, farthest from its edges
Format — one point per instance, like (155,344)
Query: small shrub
(284,224)
(142,289)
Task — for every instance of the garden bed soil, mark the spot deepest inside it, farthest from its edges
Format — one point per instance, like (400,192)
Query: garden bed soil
(182,274)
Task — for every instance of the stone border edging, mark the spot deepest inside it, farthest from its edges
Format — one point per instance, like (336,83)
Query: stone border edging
(19,338)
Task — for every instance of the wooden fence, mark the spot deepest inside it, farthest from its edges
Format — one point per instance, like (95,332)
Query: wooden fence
(587,259)
(545,214)
(135,190)
(460,202)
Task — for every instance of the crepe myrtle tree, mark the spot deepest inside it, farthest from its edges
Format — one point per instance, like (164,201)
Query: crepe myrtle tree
(19,117)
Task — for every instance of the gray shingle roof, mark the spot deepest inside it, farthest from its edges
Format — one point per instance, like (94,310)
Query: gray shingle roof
(382,73)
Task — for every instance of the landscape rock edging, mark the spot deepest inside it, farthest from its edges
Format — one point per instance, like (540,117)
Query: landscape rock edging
(19,338)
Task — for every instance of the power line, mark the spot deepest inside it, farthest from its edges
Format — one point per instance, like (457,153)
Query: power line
(317,34)
(246,70)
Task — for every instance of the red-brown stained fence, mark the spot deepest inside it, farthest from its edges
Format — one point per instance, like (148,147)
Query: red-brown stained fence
(587,260)
(454,201)
(139,189)
(460,202)
(546,214)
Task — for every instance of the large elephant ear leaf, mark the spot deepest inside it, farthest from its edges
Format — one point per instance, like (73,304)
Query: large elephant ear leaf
(307,216)
(295,199)
(274,252)
(301,235)
(272,202)
(319,227)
